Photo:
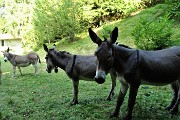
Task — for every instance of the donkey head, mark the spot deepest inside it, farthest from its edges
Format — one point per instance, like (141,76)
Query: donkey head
(51,64)
(6,54)
(104,54)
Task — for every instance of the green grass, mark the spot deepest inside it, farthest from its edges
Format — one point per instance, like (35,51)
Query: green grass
(48,96)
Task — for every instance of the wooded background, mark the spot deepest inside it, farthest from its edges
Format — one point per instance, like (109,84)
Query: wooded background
(47,21)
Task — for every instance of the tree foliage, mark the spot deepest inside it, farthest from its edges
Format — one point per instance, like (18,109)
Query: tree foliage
(16,16)
(101,11)
(40,21)
(174,8)
(54,20)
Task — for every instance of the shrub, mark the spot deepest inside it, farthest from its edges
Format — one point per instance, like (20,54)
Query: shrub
(149,3)
(173,8)
(106,31)
(153,34)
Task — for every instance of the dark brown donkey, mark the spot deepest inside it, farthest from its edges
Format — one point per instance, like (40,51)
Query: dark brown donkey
(137,67)
(22,61)
(77,67)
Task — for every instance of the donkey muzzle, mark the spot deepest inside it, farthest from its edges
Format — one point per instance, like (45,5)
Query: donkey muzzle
(49,71)
(100,76)
(99,80)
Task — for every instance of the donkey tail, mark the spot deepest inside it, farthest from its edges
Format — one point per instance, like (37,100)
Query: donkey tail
(39,58)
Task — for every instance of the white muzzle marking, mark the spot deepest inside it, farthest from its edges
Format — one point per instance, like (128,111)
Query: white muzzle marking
(5,59)
(100,74)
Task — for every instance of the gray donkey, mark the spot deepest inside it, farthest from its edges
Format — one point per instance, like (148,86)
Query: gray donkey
(137,67)
(22,61)
(77,67)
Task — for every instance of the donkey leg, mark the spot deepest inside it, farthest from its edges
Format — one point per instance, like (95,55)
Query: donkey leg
(20,70)
(111,93)
(35,69)
(75,92)
(14,71)
(131,101)
(174,109)
(123,90)
(174,87)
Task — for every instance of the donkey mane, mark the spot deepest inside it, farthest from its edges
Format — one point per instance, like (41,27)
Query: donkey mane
(65,52)
(125,46)
(60,53)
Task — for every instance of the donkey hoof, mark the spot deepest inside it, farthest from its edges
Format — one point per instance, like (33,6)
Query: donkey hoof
(114,114)
(168,108)
(74,103)
(127,117)
(174,111)
(109,99)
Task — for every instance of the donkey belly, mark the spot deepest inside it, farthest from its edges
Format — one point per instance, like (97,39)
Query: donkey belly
(160,79)
(86,78)
(87,74)
(145,82)
(23,64)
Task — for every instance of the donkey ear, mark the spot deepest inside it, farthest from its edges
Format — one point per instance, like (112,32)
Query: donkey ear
(45,48)
(94,37)
(8,49)
(114,35)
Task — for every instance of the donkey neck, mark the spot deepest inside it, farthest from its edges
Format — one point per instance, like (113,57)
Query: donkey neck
(11,58)
(63,60)
(124,56)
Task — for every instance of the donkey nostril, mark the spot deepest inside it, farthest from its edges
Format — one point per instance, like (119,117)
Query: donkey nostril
(56,70)
(99,80)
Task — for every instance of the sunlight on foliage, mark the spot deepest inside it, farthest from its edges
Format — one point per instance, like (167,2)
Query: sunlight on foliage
(153,32)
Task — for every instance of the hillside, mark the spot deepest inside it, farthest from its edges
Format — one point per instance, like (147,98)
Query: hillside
(85,46)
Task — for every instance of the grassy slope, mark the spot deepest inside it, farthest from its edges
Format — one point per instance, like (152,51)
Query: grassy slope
(85,46)
(47,96)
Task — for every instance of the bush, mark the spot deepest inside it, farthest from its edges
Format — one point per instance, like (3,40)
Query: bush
(106,31)
(173,8)
(153,34)
(150,3)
